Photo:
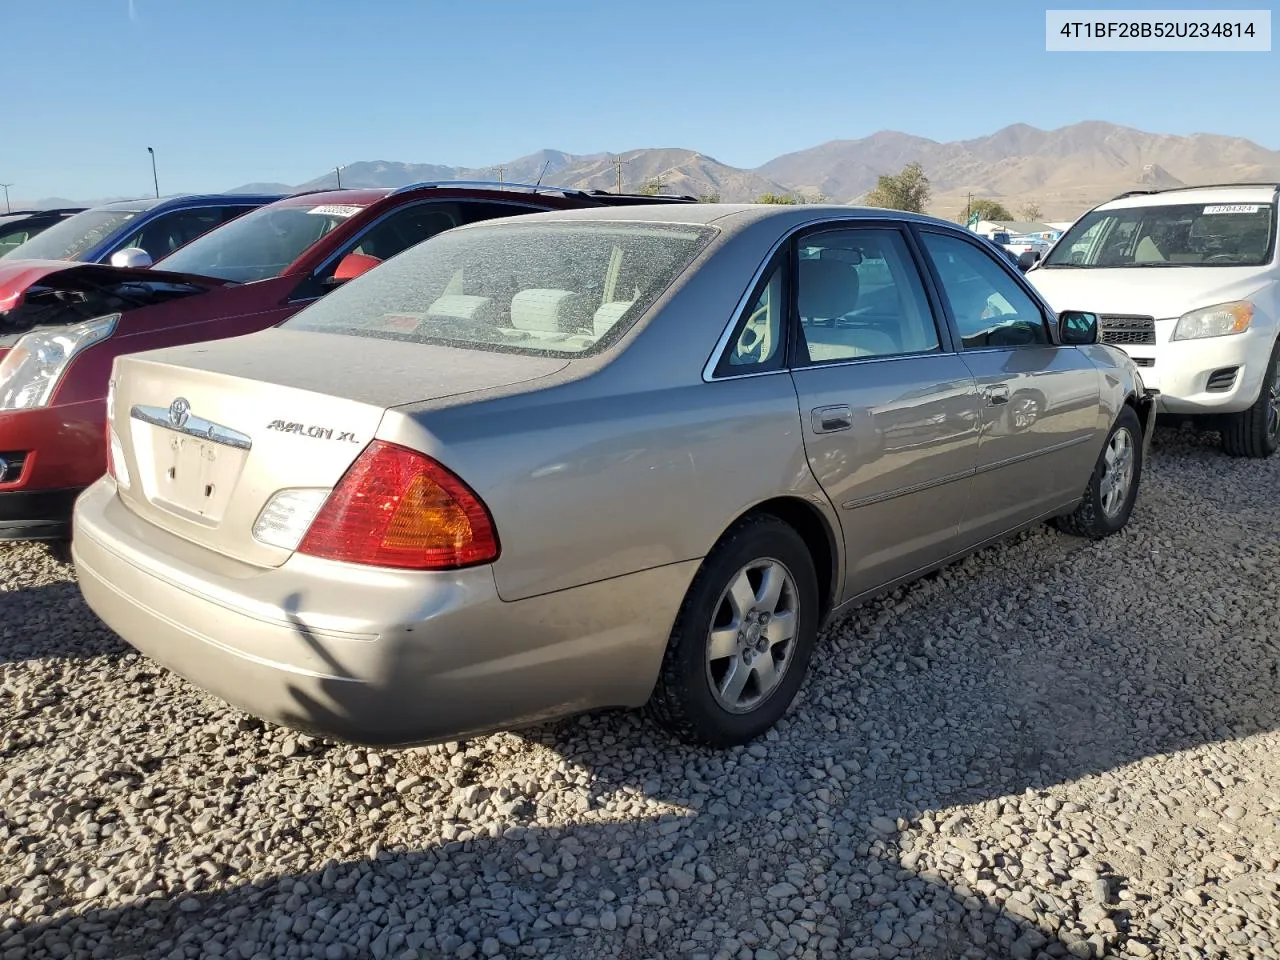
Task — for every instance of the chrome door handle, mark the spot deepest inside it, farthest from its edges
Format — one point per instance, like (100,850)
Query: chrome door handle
(831,419)
(997,394)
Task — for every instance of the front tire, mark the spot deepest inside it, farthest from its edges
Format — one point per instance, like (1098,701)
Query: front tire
(1255,432)
(1113,487)
(743,639)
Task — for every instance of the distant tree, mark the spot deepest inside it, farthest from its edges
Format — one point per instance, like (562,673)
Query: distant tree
(986,210)
(652,187)
(777,198)
(713,197)
(1030,211)
(908,190)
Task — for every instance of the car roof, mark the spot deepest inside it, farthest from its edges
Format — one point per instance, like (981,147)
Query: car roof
(729,217)
(311,198)
(38,214)
(1210,193)
(186,200)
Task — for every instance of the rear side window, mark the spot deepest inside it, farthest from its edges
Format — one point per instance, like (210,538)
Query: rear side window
(858,295)
(543,288)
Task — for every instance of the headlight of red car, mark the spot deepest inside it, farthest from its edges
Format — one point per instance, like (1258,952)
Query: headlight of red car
(31,370)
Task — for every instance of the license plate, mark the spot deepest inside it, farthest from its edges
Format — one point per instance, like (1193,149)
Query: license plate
(197,476)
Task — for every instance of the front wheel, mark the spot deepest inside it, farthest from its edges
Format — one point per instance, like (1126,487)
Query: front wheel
(743,638)
(1113,487)
(1256,432)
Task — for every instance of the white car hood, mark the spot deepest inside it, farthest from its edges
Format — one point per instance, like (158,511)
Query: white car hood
(1159,292)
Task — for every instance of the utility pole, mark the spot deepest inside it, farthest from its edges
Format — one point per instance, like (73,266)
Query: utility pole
(338,172)
(154,178)
(502,174)
(968,210)
(617,172)
(7,208)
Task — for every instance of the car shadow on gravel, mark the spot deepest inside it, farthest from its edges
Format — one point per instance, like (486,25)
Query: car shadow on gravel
(52,620)
(565,892)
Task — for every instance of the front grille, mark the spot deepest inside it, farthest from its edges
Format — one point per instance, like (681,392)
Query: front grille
(1221,380)
(1121,328)
(1144,361)
(11,465)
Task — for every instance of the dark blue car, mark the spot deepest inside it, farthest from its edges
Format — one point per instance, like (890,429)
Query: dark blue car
(157,226)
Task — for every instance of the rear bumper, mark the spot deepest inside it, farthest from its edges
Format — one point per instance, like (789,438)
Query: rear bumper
(36,514)
(372,656)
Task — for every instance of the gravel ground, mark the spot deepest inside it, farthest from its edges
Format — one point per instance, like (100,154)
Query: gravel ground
(1055,748)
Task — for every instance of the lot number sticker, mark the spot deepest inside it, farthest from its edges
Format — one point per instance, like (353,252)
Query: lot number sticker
(1232,208)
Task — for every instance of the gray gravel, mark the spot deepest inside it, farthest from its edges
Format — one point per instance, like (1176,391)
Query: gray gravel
(1056,748)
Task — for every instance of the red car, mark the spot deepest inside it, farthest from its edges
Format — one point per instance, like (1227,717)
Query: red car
(62,324)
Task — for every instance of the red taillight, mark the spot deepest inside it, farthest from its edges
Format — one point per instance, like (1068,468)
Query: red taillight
(397,507)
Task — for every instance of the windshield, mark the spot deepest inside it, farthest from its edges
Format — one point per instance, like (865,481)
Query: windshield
(258,245)
(73,237)
(558,289)
(1170,235)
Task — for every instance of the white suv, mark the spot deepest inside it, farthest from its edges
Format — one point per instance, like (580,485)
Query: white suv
(1185,281)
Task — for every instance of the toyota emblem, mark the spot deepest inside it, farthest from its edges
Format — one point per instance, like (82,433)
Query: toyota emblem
(179,411)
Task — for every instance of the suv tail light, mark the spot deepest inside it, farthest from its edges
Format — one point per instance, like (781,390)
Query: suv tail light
(396,507)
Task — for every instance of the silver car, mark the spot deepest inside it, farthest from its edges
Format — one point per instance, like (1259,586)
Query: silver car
(594,458)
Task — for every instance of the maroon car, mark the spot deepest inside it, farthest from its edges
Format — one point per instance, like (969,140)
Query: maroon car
(62,324)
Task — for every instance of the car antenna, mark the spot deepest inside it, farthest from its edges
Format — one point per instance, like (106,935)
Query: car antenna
(542,174)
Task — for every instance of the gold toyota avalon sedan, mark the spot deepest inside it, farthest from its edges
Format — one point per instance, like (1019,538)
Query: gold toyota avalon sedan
(594,458)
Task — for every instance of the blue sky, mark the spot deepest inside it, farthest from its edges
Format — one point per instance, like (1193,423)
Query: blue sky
(232,91)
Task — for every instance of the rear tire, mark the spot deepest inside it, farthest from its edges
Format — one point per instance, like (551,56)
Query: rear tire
(1113,488)
(1255,432)
(743,639)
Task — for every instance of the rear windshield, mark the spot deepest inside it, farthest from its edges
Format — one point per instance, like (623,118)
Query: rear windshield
(260,244)
(1170,235)
(550,289)
(73,237)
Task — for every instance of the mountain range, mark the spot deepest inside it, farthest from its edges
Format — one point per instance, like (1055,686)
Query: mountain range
(1063,172)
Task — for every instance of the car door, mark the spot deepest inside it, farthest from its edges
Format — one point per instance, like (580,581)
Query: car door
(889,411)
(1039,400)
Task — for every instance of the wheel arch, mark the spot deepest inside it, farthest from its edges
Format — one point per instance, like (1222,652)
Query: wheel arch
(816,531)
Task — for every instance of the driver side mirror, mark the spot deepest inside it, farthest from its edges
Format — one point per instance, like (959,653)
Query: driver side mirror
(352,266)
(1077,328)
(131,257)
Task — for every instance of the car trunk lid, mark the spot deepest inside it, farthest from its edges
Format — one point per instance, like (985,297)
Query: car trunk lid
(210,432)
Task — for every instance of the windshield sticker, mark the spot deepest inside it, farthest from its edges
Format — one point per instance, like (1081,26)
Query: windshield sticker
(335,210)
(1233,208)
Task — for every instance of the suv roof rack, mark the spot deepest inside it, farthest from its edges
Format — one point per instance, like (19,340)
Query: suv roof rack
(488,185)
(603,196)
(1273,184)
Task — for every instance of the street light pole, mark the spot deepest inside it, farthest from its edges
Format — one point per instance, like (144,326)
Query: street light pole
(7,208)
(154,178)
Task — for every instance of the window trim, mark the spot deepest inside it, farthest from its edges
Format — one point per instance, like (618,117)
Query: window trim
(1047,317)
(313,276)
(900,227)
